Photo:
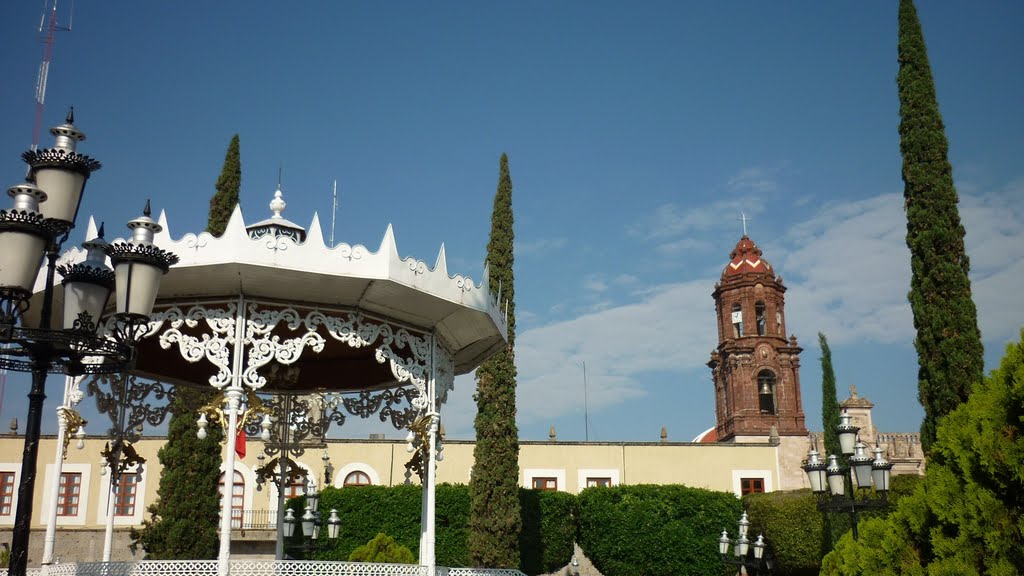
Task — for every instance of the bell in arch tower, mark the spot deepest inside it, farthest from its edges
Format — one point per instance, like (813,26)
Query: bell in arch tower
(755,368)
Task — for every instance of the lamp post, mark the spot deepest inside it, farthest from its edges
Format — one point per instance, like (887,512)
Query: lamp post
(311,524)
(748,556)
(43,214)
(833,484)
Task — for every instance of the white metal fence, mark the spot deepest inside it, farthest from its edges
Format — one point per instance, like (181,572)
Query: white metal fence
(255,568)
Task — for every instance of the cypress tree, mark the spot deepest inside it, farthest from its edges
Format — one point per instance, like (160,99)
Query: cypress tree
(835,524)
(185,518)
(228,185)
(495,521)
(829,404)
(949,350)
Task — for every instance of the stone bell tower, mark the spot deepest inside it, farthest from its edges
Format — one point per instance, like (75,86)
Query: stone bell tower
(755,368)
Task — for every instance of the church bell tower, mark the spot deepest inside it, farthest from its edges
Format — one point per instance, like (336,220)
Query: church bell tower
(755,368)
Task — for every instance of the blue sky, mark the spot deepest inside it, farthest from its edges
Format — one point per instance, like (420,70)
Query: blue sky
(636,132)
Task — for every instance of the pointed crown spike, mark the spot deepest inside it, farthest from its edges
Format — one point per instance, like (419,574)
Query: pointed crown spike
(100,233)
(147,211)
(71,115)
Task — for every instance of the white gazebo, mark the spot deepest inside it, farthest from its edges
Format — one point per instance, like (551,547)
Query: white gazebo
(375,331)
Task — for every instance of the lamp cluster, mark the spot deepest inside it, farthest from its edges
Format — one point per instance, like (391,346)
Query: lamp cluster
(832,478)
(310,520)
(751,555)
(833,483)
(42,214)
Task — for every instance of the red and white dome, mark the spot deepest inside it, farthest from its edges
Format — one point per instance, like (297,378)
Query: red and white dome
(745,258)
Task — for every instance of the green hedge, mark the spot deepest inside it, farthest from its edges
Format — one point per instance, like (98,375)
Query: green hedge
(366,511)
(791,523)
(648,529)
(549,529)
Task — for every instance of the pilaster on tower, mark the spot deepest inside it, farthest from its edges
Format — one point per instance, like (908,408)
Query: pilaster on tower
(755,368)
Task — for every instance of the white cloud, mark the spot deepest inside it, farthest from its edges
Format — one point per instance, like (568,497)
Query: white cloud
(619,345)
(753,179)
(852,268)
(539,245)
(595,283)
(672,221)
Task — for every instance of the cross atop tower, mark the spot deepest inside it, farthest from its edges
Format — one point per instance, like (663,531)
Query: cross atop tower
(743,218)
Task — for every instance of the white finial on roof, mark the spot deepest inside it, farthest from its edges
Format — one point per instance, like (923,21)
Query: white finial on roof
(277,205)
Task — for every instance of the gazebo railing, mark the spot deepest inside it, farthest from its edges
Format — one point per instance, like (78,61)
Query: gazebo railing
(256,568)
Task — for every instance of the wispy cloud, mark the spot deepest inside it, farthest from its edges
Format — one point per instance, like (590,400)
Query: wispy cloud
(539,245)
(754,179)
(674,223)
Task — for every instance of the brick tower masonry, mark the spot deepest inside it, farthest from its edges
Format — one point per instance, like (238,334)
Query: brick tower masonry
(755,368)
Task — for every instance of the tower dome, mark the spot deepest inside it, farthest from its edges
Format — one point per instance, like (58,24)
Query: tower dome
(745,258)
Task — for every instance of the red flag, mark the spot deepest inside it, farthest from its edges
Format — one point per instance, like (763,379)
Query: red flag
(240,442)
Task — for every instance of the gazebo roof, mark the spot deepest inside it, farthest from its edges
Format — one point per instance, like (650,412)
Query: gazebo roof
(310,274)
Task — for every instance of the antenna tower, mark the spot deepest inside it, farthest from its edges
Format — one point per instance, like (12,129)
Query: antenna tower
(48,26)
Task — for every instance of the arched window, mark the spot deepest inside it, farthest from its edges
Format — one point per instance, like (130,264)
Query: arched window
(737,320)
(357,478)
(237,497)
(759,315)
(766,391)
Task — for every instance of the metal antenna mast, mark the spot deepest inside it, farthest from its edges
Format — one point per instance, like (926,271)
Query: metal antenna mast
(334,211)
(586,412)
(47,28)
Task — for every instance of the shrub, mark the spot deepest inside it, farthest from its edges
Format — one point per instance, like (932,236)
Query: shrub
(549,530)
(647,529)
(548,523)
(382,548)
(791,523)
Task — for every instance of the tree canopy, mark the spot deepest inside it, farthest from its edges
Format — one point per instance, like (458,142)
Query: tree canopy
(966,517)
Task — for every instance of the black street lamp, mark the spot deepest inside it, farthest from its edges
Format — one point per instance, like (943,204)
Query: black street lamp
(833,484)
(43,214)
(748,556)
(311,524)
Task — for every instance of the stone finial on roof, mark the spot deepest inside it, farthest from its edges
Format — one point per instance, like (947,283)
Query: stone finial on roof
(855,401)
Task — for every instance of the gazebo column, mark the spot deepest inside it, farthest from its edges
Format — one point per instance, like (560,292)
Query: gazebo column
(233,395)
(429,521)
(64,412)
(232,401)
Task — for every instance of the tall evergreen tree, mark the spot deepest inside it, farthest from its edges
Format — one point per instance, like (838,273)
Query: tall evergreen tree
(949,349)
(829,403)
(185,519)
(835,524)
(228,185)
(495,520)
